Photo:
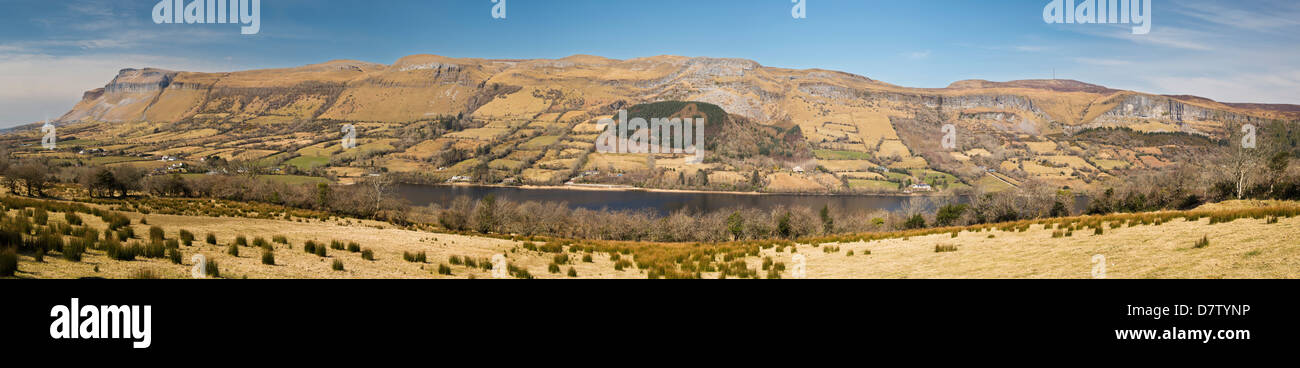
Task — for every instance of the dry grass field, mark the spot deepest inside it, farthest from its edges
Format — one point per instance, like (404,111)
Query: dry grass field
(1241,248)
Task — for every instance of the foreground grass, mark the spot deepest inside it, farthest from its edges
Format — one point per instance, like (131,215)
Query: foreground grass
(1246,240)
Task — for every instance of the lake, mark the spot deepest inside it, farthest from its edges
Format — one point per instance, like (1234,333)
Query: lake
(661,202)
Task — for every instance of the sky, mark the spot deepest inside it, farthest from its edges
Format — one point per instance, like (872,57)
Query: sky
(51,51)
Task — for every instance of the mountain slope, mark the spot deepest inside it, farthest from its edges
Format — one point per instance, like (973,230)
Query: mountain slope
(434,118)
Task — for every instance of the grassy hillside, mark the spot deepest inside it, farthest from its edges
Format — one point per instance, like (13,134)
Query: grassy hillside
(1226,240)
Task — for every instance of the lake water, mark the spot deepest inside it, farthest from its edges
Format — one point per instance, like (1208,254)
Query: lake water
(661,202)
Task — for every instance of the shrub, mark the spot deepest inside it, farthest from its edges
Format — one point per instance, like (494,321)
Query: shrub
(587,258)
(338,264)
(187,237)
(116,221)
(368,255)
(280,239)
(1098,231)
(320,251)
(116,251)
(560,259)
(261,243)
(72,218)
(74,249)
(211,269)
(211,239)
(420,257)
(553,268)
(309,247)
(40,217)
(156,233)
(155,250)
(454,260)
(8,262)
(336,245)
(444,269)
(233,250)
(1204,242)
(174,255)
(268,258)
(354,247)
(572,272)
(241,241)
(943,248)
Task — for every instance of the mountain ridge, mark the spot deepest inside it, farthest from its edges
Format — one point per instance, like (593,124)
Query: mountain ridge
(355,76)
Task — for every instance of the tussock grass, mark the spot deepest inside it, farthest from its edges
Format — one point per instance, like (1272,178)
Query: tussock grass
(1203,243)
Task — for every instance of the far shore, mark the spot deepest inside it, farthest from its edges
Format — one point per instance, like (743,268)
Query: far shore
(622,188)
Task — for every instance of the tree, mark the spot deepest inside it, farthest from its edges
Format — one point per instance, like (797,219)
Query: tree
(1239,164)
(783,226)
(323,194)
(916,222)
(949,214)
(1277,166)
(736,225)
(102,182)
(35,178)
(485,214)
(755,180)
(828,223)
(381,184)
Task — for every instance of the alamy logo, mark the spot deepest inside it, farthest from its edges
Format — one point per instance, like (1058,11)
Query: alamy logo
(659,135)
(1248,136)
(102,322)
(499,9)
(800,266)
(949,140)
(245,12)
(49,139)
(349,136)
(1136,12)
(800,9)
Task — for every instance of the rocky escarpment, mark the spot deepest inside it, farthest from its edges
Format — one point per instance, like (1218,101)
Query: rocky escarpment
(140,80)
(1168,109)
(423,86)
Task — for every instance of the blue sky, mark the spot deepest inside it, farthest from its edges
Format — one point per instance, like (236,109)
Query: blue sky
(1236,51)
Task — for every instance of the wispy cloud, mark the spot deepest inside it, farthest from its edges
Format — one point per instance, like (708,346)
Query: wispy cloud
(918,55)
(1261,16)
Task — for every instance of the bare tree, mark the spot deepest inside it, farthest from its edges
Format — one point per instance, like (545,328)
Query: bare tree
(1239,165)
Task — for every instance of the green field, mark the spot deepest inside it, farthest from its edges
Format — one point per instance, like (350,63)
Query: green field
(841,155)
(540,142)
(873,185)
(931,176)
(992,184)
(309,162)
(504,164)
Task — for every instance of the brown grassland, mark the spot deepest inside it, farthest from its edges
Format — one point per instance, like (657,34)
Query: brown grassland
(1248,239)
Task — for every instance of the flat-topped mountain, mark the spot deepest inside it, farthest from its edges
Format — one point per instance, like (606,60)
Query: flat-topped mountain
(436,118)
